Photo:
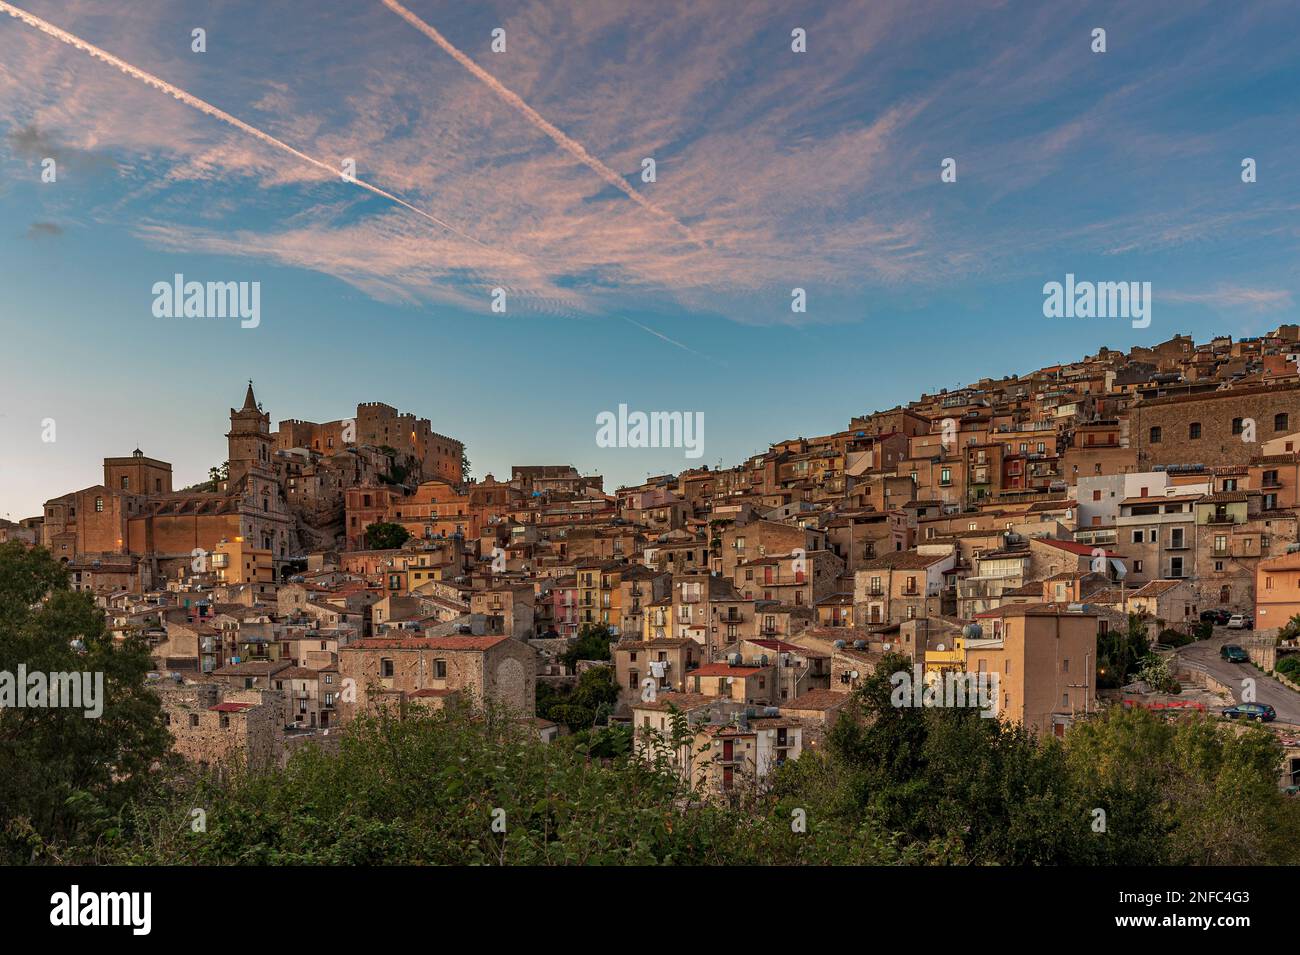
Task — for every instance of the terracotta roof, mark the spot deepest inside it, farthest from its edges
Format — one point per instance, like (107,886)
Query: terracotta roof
(1156,587)
(726,669)
(253,668)
(682,701)
(426,643)
(1156,499)
(1225,497)
(1083,550)
(819,699)
(1032,610)
(903,560)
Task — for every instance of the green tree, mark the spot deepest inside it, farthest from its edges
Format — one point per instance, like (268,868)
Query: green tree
(957,785)
(426,790)
(385,535)
(65,777)
(465,466)
(1186,791)
(1119,652)
(590,701)
(1155,673)
(592,643)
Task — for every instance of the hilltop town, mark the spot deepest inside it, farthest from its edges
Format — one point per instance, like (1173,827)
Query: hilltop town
(1008,526)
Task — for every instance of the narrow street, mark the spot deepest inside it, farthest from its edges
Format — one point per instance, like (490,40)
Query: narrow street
(1267,690)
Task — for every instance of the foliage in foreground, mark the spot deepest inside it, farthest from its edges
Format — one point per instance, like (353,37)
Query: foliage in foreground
(1128,787)
(427,790)
(889,785)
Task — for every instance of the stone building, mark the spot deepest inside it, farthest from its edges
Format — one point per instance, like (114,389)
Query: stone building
(497,668)
(1210,428)
(212,727)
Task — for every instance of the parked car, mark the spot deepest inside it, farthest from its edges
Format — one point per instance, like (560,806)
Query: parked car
(1239,621)
(1219,617)
(1260,712)
(1234,654)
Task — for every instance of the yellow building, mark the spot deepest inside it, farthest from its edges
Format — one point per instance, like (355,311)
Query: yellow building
(599,596)
(947,655)
(1045,660)
(237,562)
(658,621)
(422,568)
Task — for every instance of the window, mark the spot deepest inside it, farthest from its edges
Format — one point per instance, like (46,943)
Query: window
(99,504)
(1065,665)
(1138,537)
(1194,430)
(1281,421)
(440,669)
(385,667)
(194,719)
(126,483)
(1237,426)
(1155,435)
(1096,495)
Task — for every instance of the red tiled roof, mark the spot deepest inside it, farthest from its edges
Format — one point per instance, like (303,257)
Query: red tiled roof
(426,643)
(725,669)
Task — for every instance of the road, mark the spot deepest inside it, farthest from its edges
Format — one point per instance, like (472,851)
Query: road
(1267,690)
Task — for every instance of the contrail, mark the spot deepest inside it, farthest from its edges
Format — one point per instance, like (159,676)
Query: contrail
(671,341)
(565,142)
(206,107)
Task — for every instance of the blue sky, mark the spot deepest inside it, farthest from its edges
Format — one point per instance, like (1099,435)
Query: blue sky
(775,170)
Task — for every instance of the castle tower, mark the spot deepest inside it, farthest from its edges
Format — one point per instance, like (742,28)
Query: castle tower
(249,441)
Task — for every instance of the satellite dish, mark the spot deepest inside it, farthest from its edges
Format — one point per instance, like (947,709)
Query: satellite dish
(940,648)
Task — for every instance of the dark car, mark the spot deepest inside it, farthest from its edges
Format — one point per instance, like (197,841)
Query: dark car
(1233,653)
(1261,712)
(1218,617)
